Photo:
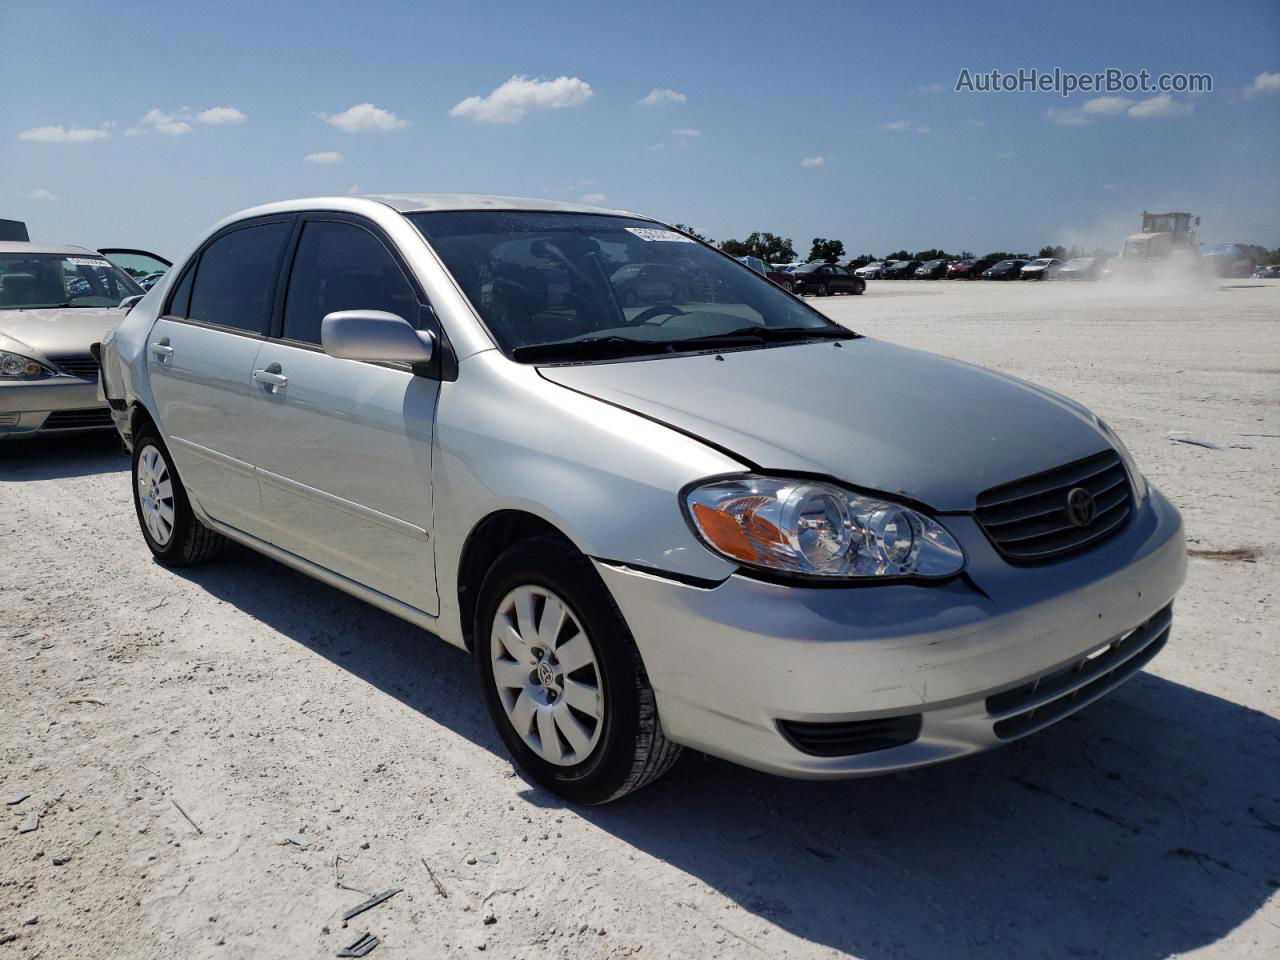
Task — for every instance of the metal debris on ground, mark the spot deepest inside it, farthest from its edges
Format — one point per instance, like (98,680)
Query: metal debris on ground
(369,904)
(432,874)
(16,798)
(298,840)
(188,819)
(361,948)
(1192,441)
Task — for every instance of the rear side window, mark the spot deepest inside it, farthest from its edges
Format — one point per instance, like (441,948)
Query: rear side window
(235,276)
(180,302)
(340,266)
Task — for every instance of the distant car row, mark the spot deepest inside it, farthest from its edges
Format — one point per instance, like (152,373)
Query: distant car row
(986,268)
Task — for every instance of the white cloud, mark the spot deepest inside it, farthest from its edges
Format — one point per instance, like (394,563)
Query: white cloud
(354,188)
(1067,118)
(61,134)
(660,95)
(686,133)
(159,121)
(520,95)
(1161,105)
(364,117)
(324,156)
(221,116)
(1263,83)
(654,147)
(596,198)
(817,161)
(931,88)
(1107,105)
(1005,155)
(42,194)
(922,129)
(896,125)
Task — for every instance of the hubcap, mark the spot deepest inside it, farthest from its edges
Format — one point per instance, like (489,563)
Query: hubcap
(155,495)
(547,675)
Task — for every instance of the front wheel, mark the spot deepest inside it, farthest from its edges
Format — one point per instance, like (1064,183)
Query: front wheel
(562,678)
(822,290)
(859,288)
(174,534)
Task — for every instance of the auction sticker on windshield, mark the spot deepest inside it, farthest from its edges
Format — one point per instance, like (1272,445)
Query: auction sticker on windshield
(667,236)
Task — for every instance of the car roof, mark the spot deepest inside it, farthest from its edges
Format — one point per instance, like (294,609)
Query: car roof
(65,249)
(423,202)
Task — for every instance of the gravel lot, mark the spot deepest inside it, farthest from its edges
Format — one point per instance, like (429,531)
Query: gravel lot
(138,703)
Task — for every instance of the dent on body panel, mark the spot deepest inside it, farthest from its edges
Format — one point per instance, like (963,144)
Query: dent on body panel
(609,479)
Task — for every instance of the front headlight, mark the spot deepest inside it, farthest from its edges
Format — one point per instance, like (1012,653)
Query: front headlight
(1136,478)
(809,528)
(13,366)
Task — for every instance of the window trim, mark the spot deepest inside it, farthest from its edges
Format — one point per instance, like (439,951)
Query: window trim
(193,265)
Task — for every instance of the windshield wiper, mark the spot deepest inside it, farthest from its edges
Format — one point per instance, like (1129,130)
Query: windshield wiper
(589,348)
(760,334)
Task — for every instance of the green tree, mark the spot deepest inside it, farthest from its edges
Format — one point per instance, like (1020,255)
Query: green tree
(767,246)
(828,250)
(1056,251)
(861,261)
(900,255)
(684,228)
(924,256)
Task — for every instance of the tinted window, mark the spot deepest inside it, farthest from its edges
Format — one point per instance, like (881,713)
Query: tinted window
(340,266)
(235,276)
(180,302)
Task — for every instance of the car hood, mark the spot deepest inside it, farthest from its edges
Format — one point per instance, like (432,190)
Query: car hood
(54,331)
(868,413)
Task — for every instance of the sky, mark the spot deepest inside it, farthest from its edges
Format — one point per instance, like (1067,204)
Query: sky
(141,124)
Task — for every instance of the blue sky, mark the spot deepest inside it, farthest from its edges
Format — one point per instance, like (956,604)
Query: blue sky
(868,88)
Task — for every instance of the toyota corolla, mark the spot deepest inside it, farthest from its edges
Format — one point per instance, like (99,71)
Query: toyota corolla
(680,515)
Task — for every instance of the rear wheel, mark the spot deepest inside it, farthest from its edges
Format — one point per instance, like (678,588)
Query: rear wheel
(562,678)
(822,290)
(859,287)
(174,534)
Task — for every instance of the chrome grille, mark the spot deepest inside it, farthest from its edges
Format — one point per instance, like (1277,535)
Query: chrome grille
(1029,519)
(80,365)
(1047,699)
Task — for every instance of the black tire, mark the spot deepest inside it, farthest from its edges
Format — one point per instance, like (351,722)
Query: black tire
(788,286)
(859,288)
(190,542)
(822,290)
(632,751)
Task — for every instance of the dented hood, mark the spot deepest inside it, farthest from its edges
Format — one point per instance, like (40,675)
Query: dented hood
(866,413)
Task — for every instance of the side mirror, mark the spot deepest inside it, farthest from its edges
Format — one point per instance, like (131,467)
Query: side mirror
(128,303)
(375,335)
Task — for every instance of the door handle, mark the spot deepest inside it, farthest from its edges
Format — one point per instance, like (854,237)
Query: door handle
(162,350)
(272,378)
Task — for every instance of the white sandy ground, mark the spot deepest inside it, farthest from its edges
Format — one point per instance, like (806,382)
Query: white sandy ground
(269,706)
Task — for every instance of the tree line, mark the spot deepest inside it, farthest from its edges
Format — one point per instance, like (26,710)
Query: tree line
(772,248)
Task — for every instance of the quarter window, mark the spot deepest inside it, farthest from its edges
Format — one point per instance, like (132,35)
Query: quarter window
(340,266)
(235,276)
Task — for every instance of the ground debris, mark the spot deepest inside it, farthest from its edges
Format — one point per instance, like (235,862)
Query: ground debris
(1192,441)
(361,948)
(432,874)
(369,904)
(16,798)
(1238,554)
(188,818)
(30,824)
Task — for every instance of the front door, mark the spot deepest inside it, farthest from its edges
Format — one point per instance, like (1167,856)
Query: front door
(344,446)
(200,361)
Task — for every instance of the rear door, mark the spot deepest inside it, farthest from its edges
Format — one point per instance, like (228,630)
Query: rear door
(200,360)
(344,446)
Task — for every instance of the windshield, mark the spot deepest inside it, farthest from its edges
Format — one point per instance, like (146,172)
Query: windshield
(32,281)
(571,287)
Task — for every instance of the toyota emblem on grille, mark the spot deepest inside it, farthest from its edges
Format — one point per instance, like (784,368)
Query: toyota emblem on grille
(1080,507)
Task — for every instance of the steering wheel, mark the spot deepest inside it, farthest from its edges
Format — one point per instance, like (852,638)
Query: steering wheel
(657,310)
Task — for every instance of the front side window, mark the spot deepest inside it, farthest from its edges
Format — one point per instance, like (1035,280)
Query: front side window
(573,287)
(235,277)
(34,281)
(341,266)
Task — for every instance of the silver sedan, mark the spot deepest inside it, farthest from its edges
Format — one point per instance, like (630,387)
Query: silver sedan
(698,514)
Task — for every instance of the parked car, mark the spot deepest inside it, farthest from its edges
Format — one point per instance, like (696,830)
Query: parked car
(969,269)
(1004,270)
(55,301)
(701,524)
(900,270)
(1265,272)
(932,270)
(1081,268)
(871,271)
(1044,268)
(649,283)
(756,264)
(823,279)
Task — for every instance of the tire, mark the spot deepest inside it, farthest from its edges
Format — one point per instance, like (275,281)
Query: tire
(623,747)
(174,534)
(788,286)
(823,291)
(859,288)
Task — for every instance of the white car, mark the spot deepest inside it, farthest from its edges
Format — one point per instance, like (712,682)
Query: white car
(715,519)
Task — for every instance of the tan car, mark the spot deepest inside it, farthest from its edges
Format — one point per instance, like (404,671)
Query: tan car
(55,301)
